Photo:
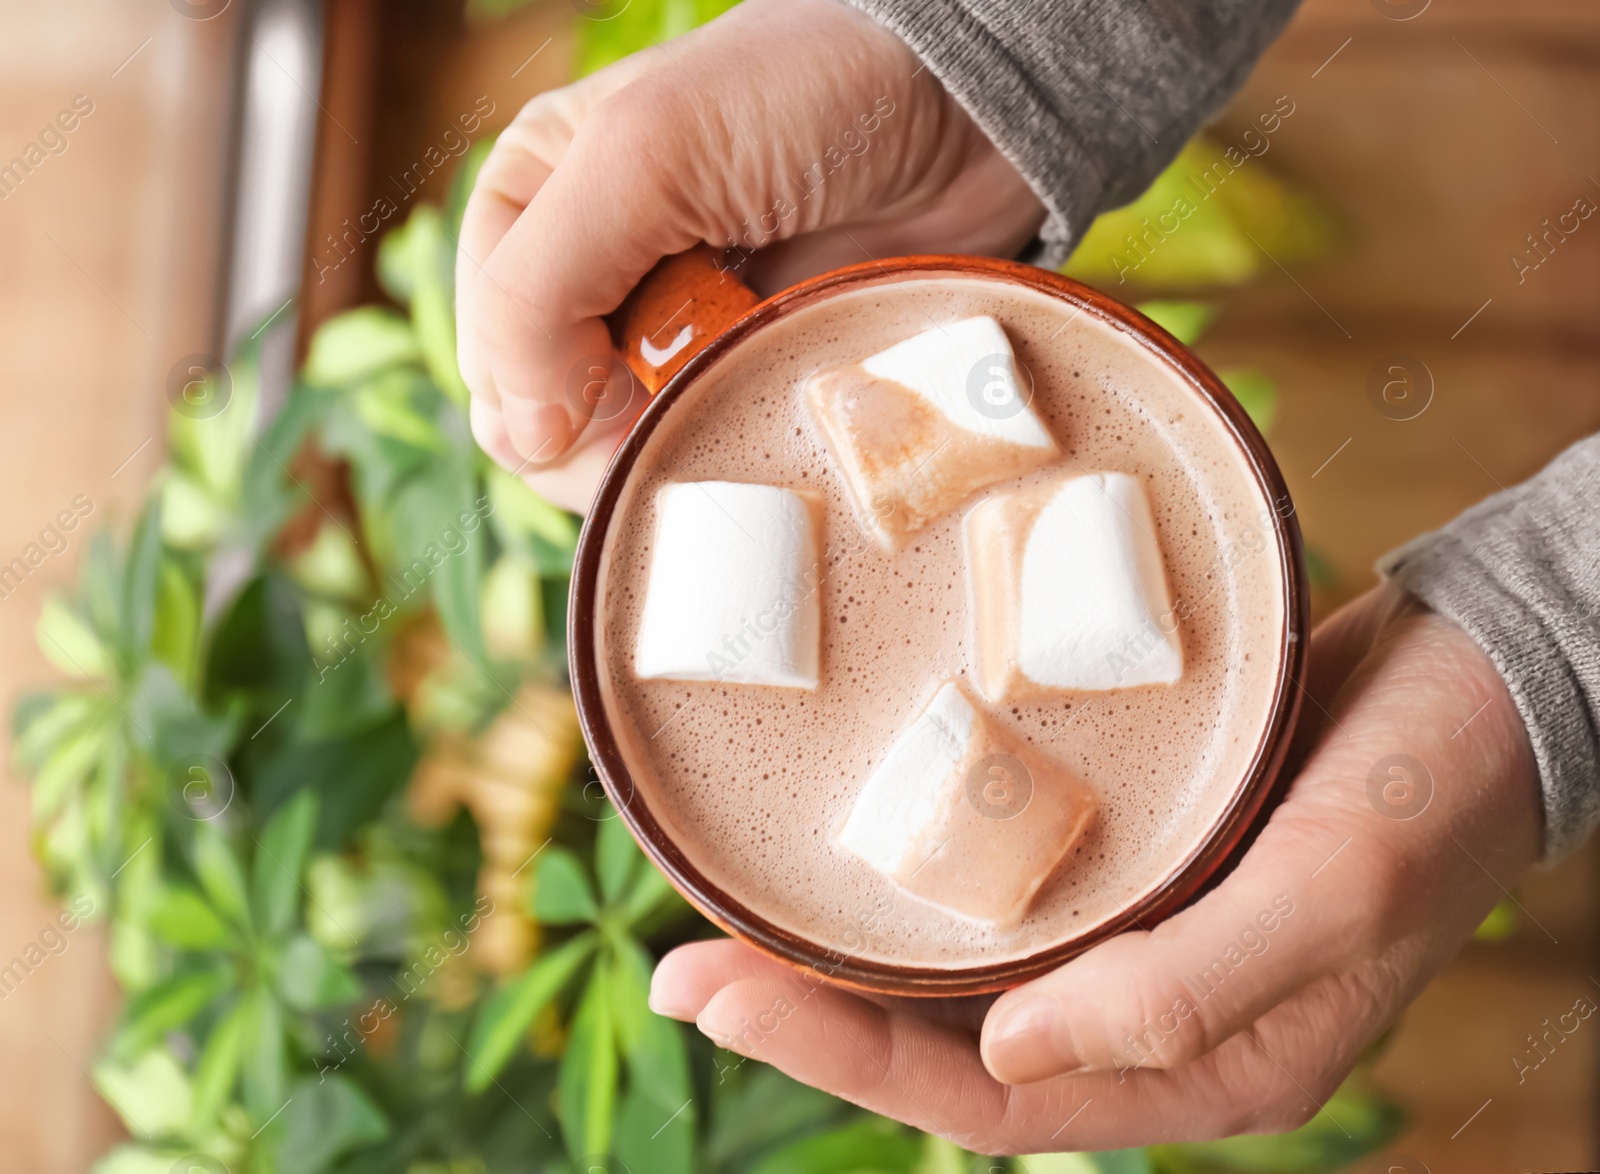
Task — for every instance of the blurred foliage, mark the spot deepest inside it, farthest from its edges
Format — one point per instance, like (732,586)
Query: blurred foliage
(315,763)
(609,30)
(1502,924)
(1206,221)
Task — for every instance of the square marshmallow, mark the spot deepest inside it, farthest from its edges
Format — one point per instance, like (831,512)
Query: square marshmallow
(958,816)
(1069,590)
(731,594)
(919,428)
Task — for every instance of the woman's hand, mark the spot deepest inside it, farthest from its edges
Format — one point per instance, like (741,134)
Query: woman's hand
(1417,807)
(799,131)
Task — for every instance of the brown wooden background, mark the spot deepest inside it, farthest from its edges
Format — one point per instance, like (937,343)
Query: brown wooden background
(1439,141)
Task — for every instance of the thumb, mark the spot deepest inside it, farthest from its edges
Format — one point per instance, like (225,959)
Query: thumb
(1164,998)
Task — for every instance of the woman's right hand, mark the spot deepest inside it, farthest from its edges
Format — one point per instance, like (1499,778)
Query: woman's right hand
(799,131)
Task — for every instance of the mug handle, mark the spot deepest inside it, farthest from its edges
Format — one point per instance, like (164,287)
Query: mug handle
(675,310)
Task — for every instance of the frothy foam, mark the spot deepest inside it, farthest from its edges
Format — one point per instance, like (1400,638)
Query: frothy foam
(754,784)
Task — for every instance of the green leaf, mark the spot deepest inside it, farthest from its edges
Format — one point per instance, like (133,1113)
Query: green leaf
(352,775)
(210,452)
(1204,221)
(168,723)
(619,28)
(180,915)
(462,183)
(651,894)
(66,771)
(42,722)
(265,1071)
(310,980)
(519,512)
(192,517)
(1185,321)
(152,1095)
(513,609)
(617,859)
(325,1119)
(139,1159)
(359,343)
(1322,570)
(218,1069)
(1257,395)
(1106,1162)
(1502,923)
(101,578)
(176,634)
(390,405)
(656,1127)
(561,892)
(648,1137)
(68,642)
(757,1108)
(331,566)
(1355,1122)
(139,584)
(657,1062)
(946,1157)
(417,263)
(588,1080)
(150,1015)
(438,541)
(221,874)
(506,1014)
(258,648)
(281,853)
(873,1144)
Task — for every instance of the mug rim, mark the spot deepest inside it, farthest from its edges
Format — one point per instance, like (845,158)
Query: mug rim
(1218,850)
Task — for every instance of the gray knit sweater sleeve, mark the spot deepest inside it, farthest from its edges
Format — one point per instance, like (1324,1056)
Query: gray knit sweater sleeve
(1521,573)
(1090,99)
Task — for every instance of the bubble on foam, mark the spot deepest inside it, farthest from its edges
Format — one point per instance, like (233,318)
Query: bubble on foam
(758,813)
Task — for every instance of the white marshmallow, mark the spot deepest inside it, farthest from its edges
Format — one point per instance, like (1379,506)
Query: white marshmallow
(901,797)
(955,817)
(732,590)
(1069,589)
(957,367)
(919,428)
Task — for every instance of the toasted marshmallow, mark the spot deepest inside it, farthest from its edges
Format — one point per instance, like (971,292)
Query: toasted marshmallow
(919,428)
(732,591)
(957,816)
(1069,590)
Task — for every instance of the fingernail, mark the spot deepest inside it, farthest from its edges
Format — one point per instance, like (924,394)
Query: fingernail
(717,1024)
(669,997)
(1024,1044)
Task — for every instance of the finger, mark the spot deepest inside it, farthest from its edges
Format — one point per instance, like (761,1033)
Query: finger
(1162,999)
(521,161)
(688,977)
(489,430)
(571,481)
(907,1068)
(931,1077)
(615,204)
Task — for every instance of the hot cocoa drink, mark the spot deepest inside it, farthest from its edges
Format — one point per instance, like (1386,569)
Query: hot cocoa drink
(939,621)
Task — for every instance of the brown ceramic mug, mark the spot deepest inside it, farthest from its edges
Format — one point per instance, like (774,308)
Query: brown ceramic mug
(683,317)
